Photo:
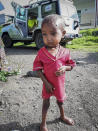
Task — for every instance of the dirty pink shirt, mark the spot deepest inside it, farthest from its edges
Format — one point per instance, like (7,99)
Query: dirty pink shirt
(50,64)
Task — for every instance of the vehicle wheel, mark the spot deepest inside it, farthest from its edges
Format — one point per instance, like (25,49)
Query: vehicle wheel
(27,43)
(39,40)
(7,41)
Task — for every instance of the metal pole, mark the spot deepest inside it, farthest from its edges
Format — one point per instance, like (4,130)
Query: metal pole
(96,13)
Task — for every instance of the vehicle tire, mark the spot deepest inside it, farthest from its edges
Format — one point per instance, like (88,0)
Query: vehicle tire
(7,41)
(63,44)
(39,40)
(27,43)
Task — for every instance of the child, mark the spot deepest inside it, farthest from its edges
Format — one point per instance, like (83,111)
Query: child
(51,63)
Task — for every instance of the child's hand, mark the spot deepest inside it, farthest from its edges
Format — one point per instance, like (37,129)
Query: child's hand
(49,88)
(61,70)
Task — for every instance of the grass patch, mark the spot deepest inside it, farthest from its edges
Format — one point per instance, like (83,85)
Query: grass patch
(22,44)
(87,42)
(88,32)
(31,45)
(0,28)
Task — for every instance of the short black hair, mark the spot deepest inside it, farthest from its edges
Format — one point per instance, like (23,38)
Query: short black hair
(55,20)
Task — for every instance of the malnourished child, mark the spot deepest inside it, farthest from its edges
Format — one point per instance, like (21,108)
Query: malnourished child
(51,63)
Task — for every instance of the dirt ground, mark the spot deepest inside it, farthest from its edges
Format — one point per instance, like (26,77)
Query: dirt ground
(20,97)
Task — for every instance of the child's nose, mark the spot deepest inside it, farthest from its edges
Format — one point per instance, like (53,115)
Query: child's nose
(49,38)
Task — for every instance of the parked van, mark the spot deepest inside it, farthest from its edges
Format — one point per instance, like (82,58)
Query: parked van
(19,29)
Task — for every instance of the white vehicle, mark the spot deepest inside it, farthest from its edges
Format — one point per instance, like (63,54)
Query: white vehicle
(18,30)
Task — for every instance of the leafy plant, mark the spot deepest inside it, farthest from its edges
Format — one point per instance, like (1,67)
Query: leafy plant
(5,74)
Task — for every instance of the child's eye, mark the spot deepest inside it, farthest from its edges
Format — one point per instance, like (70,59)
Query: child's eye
(53,33)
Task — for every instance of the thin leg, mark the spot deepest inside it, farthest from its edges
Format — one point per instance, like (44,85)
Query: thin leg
(46,104)
(62,116)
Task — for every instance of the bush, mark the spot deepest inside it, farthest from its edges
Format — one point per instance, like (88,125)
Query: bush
(88,32)
(95,33)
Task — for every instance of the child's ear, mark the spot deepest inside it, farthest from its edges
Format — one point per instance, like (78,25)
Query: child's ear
(63,33)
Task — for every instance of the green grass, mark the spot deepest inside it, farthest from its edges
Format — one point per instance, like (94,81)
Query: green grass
(88,32)
(0,28)
(87,42)
(22,44)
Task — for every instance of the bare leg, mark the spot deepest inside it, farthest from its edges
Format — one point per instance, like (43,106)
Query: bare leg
(63,117)
(46,104)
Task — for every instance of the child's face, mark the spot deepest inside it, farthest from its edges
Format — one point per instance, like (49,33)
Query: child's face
(51,35)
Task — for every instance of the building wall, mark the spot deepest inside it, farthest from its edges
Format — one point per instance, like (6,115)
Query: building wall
(8,8)
(87,8)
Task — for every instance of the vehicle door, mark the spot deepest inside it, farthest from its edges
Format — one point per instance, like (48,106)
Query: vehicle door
(21,20)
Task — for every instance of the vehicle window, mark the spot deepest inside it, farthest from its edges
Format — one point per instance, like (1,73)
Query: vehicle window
(21,13)
(33,12)
(48,9)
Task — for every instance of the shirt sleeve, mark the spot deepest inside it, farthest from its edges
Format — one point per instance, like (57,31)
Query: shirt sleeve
(69,61)
(37,65)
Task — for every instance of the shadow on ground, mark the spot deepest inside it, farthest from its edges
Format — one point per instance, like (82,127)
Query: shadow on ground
(20,50)
(91,58)
(15,126)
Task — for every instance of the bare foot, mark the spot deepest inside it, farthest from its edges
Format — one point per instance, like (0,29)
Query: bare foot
(67,120)
(43,128)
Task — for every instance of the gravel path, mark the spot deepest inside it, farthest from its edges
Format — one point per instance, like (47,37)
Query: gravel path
(20,97)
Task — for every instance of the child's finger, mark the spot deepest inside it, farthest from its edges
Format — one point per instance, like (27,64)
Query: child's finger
(60,73)
(57,73)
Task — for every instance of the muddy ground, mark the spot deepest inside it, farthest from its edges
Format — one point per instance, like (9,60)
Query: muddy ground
(20,97)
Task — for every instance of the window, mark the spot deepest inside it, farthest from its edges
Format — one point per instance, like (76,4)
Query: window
(49,9)
(21,13)
(33,12)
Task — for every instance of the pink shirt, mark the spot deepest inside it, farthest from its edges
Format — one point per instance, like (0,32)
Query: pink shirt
(50,64)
